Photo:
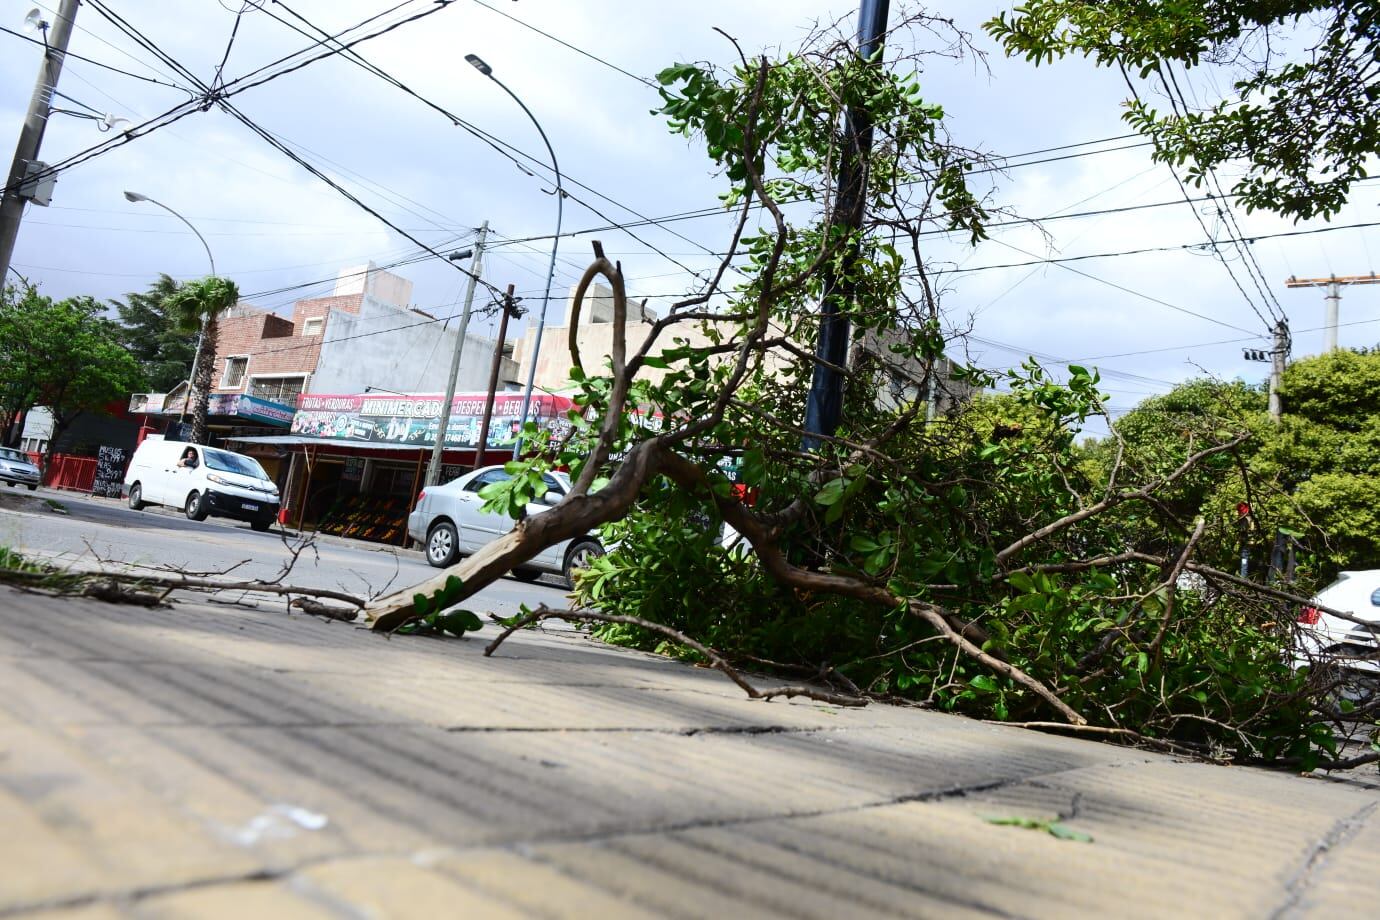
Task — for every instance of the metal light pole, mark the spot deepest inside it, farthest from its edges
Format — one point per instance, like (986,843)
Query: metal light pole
(488,71)
(433,470)
(824,406)
(135,198)
(31,135)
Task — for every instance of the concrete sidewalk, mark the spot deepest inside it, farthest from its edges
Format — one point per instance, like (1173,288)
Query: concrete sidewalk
(212,761)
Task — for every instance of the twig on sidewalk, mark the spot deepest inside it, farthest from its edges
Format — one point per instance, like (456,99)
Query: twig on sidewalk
(714,659)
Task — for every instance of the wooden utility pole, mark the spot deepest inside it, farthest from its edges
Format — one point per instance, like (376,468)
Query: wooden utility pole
(510,308)
(1334,299)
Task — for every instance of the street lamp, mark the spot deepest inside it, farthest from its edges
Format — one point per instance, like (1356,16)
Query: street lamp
(478,64)
(135,198)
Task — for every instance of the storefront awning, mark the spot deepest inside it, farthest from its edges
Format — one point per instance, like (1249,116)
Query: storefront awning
(288,440)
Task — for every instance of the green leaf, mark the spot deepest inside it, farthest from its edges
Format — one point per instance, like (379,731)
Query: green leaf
(420,604)
(460,622)
(832,492)
(1065,833)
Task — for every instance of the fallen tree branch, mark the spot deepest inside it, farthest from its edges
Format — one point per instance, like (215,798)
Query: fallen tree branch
(1144,492)
(714,659)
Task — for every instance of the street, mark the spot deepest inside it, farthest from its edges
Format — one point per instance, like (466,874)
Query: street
(103,530)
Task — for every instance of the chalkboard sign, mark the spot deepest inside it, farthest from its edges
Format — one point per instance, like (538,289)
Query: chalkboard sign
(110,472)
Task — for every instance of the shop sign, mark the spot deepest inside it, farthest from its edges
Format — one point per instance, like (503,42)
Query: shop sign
(146,403)
(415,420)
(354,469)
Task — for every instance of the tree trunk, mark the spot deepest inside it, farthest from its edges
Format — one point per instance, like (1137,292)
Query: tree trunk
(201,381)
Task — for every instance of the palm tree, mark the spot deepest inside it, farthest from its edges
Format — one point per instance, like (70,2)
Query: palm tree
(198,305)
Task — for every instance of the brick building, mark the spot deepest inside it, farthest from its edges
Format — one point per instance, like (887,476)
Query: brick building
(262,354)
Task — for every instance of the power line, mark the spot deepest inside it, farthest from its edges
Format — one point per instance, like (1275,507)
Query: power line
(498,143)
(1059,260)
(205,99)
(577,49)
(219,99)
(1226,212)
(1199,218)
(77,57)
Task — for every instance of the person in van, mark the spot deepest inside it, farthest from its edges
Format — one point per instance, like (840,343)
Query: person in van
(188,459)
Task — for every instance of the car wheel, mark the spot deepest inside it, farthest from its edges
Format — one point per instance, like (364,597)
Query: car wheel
(579,557)
(196,508)
(442,545)
(261,526)
(33,488)
(136,497)
(528,575)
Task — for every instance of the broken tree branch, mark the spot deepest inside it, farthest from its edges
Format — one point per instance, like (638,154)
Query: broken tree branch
(714,659)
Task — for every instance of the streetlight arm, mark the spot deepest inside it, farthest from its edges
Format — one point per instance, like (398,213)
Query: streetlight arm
(133,196)
(551,270)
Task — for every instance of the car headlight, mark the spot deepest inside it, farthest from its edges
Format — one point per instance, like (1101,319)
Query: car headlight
(212,477)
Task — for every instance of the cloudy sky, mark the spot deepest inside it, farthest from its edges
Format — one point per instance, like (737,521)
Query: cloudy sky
(1145,320)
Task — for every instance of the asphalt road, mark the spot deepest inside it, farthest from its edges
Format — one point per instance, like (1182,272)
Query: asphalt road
(97,530)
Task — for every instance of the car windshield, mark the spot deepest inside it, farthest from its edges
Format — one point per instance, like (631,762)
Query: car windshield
(11,454)
(227,462)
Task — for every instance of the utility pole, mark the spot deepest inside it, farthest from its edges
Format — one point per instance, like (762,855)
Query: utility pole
(31,135)
(1334,299)
(824,406)
(510,308)
(433,470)
(1277,356)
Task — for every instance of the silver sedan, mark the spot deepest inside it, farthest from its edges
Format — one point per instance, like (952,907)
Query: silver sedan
(17,470)
(449,521)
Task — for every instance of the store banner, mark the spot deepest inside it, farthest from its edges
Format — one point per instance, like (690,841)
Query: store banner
(397,419)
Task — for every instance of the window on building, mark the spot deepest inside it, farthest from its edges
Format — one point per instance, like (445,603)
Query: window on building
(283,390)
(314,325)
(235,366)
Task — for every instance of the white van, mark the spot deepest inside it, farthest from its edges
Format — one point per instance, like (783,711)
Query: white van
(201,481)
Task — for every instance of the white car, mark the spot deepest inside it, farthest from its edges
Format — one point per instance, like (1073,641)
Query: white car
(201,481)
(1324,638)
(449,522)
(17,469)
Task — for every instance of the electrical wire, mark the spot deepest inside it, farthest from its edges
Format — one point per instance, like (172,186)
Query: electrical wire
(1227,213)
(1212,241)
(77,57)
(577,49)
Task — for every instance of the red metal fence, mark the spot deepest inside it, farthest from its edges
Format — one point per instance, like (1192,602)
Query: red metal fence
(67,472)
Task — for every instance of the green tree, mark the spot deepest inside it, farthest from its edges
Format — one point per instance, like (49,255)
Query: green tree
(163,348)
(1326,455)
(1314,474)
(198,305)
(64,355)
(1304,120)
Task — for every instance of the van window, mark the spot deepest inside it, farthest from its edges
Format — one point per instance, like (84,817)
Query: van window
(227,462)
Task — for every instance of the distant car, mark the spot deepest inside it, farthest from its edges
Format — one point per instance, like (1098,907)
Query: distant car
(449,523)
(17,469)
(1354,648)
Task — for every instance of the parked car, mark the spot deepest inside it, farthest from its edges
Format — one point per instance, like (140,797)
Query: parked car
(1327,639)
(208,482)
(17,469)
(450,522)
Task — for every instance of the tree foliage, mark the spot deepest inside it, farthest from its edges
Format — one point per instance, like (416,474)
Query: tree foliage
(1313,474)
(157,340)
(64,355)
(198,305)
(981,563)
(1305,117)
